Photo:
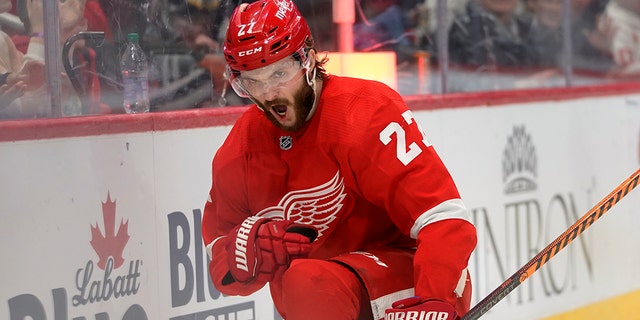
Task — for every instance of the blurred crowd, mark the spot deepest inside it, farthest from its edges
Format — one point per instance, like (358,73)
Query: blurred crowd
(492,45)
(509,44)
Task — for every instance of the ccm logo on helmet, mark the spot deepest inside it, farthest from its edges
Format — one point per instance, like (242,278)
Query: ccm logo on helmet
(417,315)
(249,52)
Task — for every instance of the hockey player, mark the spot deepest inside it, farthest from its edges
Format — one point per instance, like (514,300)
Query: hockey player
(327,188)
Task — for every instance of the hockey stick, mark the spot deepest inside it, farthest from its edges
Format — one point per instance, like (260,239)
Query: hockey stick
(553,248)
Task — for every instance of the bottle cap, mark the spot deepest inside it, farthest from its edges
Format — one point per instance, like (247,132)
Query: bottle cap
(133,37)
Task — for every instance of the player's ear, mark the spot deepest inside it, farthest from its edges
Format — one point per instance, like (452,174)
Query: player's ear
(311,57)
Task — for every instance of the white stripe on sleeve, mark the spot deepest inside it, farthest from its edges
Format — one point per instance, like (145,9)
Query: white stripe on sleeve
(450,209)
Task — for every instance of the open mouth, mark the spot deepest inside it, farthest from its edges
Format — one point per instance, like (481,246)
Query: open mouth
(280,110)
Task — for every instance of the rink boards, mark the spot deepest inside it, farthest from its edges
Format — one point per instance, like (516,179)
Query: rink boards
(101,215)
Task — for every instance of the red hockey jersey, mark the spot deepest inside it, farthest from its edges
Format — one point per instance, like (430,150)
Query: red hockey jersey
(360,171)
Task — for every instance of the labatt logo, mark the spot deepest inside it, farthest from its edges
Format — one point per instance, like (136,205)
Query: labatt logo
(109,246)
(95,282)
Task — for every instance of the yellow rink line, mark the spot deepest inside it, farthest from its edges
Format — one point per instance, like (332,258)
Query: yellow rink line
(626,306)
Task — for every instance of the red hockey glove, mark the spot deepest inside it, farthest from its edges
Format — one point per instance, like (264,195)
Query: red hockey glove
(260,248)
(420,308)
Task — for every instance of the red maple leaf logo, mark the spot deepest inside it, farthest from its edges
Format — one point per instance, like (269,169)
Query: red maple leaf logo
(110,244)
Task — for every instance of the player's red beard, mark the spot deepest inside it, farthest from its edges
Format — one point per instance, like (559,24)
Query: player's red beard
(301,106)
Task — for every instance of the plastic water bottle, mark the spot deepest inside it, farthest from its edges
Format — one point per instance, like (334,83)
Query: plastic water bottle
(135,76)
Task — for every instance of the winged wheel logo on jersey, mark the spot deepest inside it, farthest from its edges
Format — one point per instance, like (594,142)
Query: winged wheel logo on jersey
(317,206)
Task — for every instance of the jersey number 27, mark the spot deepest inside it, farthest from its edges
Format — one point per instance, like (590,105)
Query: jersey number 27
(404,154)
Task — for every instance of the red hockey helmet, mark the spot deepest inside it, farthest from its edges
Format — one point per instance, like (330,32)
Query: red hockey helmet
(264,32)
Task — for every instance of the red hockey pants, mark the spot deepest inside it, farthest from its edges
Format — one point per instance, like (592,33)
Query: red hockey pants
(318,289)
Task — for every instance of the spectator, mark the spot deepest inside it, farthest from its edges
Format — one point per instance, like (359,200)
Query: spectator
(71,21)
(381,27)
(489,33)
(87,95)
(90,86)
(622,19)
(19,76)
(546,35)
(310,194)
(194,26)
(188,67)
(589,45)
(424,20)
(88,61)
